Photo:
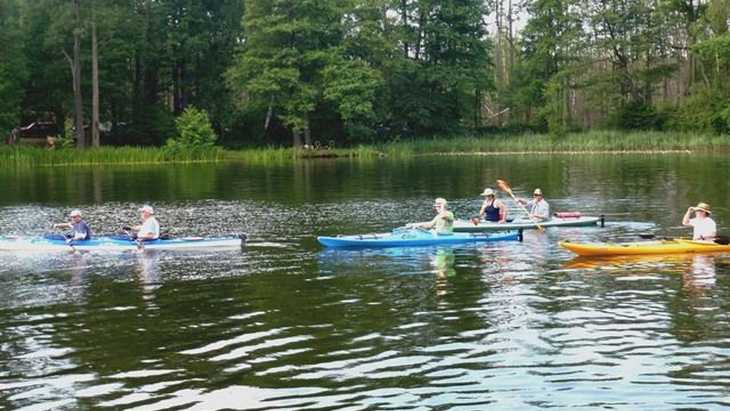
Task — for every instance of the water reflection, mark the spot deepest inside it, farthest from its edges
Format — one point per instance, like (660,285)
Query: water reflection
(702,275)
(500,326)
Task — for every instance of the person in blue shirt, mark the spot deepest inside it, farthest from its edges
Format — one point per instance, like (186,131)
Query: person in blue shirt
(79,228)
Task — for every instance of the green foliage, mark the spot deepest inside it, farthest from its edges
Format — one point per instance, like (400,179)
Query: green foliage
(706,109)
(195,134)
(13,71)
(637,115)
(369,70)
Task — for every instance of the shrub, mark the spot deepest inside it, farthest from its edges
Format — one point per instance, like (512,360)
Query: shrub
(195,135)
(637,115)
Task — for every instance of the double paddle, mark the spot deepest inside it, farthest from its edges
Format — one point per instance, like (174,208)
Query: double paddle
(506,188)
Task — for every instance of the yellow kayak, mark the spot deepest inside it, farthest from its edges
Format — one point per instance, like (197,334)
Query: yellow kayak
(674,246)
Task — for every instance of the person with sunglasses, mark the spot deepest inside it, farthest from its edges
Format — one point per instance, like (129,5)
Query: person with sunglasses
(79,228)
(539,209)
(705,228)
(443,223)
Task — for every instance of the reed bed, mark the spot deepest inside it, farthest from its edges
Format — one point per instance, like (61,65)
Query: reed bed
(587,142)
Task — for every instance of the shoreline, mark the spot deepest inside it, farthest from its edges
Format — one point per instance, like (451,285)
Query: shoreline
(585,143)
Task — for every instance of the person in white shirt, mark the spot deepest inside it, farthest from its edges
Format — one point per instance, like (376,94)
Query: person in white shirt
(150,228)
(539,209)
(704,227)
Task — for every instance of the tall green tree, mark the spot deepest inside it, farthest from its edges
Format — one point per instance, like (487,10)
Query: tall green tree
(13,73)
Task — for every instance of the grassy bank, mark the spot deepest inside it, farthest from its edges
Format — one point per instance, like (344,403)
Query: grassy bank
(589,142)
(36,156)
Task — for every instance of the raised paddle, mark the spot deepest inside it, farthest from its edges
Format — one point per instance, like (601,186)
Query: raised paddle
(506,188)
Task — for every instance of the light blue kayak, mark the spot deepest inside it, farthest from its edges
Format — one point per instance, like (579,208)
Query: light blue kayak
(414,238)
(116,243)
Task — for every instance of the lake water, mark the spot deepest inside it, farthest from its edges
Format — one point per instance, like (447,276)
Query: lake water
(285,324)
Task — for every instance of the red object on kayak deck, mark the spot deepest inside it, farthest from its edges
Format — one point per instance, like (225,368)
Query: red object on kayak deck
(568,214)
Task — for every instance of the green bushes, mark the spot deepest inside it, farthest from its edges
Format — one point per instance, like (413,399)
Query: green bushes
(195,139)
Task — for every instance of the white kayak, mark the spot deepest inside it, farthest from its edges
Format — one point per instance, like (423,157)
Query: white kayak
(466,226)
(117,243)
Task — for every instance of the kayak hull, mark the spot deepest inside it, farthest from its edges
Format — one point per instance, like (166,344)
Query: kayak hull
(41,244)
(465,226)
(411,239)
(675,246)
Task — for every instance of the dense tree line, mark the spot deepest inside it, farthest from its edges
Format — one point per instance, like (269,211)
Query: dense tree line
(345,71)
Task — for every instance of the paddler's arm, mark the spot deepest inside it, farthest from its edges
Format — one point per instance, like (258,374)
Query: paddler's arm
(502,213)
(62,225)
(685,219)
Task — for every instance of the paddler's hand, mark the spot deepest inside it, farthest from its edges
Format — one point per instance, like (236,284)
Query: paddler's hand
(475,220)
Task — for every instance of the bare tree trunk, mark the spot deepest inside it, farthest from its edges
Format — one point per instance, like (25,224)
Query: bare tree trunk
(76,74)
(404,23)
(307,135)
(95,140)
(510,40)
(297,134)
(269,113)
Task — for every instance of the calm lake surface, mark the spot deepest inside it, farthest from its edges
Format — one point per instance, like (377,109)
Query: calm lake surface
(285,324)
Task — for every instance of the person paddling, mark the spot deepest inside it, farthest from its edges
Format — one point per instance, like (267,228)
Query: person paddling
(150,228)
(79,228)
(492,209)
(443,223)
(539,209)
(705,228)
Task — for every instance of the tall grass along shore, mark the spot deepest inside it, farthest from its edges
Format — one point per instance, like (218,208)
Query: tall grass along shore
(588,142)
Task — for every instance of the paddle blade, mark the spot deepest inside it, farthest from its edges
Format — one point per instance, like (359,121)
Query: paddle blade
(504,186)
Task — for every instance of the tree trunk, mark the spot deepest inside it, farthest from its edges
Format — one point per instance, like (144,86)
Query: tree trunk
(297,134)
(76,70)
(404,24)
(95,140)
(307,135)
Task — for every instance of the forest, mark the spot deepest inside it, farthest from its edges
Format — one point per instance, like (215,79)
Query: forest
(343,72)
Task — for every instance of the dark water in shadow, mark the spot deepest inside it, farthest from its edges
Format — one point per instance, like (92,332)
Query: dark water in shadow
(285,324)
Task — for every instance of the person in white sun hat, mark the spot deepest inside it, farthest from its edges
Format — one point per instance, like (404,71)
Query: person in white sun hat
(79,228)
(492,209)
(443,223)
(150,228)
(704,226)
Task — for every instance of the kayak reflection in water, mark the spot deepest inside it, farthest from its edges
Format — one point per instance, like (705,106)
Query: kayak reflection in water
(704,227)
(443,223)
(79,228)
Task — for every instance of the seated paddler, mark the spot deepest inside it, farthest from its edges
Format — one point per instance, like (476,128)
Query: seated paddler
(442,223)
(79,229)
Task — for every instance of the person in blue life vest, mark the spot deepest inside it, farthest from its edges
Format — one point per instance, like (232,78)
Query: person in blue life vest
(79,229)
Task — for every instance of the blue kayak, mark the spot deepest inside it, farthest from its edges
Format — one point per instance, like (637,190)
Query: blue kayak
(414,238)
(116,243)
